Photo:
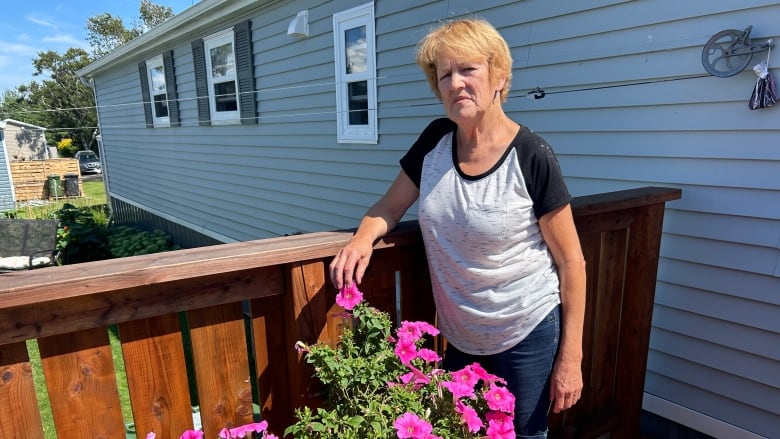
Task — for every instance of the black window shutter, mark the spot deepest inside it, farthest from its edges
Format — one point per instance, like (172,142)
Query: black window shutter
(201,83)
(245,72)
(170,89)
(147,99)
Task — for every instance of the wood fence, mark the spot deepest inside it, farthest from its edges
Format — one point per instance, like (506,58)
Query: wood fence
(239,308)
(30,178)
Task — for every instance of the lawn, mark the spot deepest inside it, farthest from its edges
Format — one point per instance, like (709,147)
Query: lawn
(94,194)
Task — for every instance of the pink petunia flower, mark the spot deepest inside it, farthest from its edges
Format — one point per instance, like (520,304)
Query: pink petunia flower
(151,436)
(500,426)
(484,375)
(458,389)
(500,399)
(406,351)
(244,430)
(416,376)
(469,417)
(349,296)
(412,426)
(415,330)
(428,355)
(192,434)
(463,382)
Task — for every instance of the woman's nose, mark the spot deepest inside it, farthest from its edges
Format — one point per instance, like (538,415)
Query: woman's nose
(456,80)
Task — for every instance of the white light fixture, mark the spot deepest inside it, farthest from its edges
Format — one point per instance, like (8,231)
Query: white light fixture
(299,27)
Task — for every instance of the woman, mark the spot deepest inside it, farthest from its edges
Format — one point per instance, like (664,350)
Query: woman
(507,270)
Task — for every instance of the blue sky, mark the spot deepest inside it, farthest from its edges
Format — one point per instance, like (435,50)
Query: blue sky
(31,26)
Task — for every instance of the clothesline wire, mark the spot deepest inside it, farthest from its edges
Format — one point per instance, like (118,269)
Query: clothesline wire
(536,93)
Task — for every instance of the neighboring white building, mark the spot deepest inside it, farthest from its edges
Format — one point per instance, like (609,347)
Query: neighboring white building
(255,140)
(25,141)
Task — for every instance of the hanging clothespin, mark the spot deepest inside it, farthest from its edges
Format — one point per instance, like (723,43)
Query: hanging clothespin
(536,93)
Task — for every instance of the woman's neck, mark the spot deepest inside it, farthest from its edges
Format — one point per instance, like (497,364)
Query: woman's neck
(488,132)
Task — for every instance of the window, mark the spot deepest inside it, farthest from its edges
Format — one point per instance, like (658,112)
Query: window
(353,34)
(158,88)
(224,78)
(159,97)
(221,76)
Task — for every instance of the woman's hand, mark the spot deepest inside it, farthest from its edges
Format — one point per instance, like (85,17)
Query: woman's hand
(350,263)
(565,384)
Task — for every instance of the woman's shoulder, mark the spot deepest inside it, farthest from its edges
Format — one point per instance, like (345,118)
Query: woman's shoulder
(440,127)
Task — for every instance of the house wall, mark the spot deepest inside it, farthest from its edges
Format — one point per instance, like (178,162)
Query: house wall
(627,104)
(23,143)
(6,185)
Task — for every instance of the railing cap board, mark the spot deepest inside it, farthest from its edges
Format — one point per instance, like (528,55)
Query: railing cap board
(57,283)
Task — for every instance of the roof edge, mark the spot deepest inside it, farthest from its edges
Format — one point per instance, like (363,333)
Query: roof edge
(191,19)
(23,124)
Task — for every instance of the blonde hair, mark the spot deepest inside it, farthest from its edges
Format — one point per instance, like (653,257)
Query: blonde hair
(469,39)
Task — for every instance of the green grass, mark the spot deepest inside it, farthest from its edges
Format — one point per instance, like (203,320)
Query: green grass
(44,406)
(94,194)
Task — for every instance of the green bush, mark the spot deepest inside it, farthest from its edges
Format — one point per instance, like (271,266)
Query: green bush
(86,234)
(126,241)
(82,237)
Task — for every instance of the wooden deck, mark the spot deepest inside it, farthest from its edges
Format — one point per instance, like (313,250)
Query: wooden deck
(238,308)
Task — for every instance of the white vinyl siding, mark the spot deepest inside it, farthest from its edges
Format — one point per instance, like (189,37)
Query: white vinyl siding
(7,198)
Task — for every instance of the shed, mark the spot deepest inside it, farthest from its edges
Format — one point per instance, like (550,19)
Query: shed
(25,141)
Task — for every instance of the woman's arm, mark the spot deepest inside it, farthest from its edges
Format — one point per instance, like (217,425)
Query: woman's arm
(561,237)
(350,262)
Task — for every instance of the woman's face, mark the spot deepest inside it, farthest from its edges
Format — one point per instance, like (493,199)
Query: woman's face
(465,87)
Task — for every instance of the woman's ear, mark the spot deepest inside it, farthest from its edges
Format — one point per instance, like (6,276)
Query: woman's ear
(500,84)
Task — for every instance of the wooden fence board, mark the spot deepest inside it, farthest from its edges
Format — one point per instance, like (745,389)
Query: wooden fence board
(310,305)
(80,377)
(221,364)
(270,342)
(19,416)
(153,352)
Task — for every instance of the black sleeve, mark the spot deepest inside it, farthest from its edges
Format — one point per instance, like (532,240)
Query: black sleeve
(412,161)
(542,174)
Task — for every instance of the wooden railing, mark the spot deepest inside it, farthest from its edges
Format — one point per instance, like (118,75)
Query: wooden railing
(226,318)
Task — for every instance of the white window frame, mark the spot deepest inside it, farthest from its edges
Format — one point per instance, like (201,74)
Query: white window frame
(356,17)
(219,39)
(151,64)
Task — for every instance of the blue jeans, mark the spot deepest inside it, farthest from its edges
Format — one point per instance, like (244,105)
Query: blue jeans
(526,367)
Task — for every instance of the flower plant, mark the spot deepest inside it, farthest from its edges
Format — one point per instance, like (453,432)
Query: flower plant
(382,386)
(243,431)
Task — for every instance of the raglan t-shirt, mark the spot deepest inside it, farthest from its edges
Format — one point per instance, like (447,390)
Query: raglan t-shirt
(492,274)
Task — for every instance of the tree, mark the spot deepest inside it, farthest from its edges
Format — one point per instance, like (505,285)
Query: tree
(63,101)
(106,32)
(70,103)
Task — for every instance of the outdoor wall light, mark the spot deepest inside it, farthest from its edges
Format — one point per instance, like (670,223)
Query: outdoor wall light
(299,26)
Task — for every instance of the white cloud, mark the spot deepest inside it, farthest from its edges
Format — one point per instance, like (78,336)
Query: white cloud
(17,48)
(64,39)
(40,21)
